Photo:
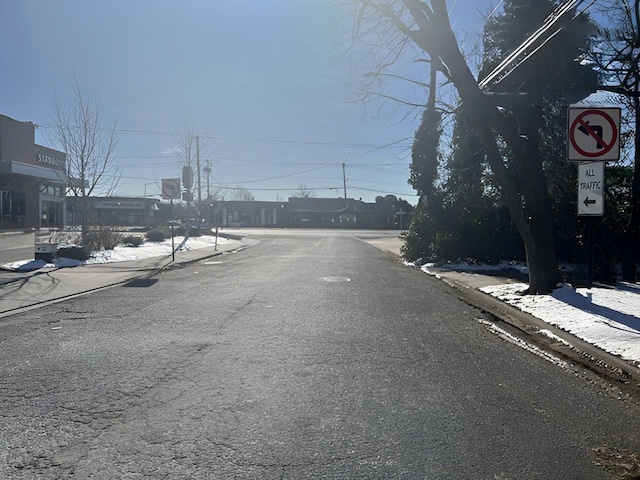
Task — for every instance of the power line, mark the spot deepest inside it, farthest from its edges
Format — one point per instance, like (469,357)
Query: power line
(378,191)
(531,45)
(273,141)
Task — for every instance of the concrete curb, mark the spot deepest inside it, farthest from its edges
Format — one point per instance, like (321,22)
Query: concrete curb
(578,351)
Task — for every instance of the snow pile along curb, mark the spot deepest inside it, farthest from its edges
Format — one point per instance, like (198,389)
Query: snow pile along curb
(605,317)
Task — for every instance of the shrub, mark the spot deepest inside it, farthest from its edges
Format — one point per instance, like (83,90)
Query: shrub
(193,231)
(106,238)
(73,252)
(132,240)
(156,235)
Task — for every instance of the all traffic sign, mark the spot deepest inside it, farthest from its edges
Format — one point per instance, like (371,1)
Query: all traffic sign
(594,134)
(591,189)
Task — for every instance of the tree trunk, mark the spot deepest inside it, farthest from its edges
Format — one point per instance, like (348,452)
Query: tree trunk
(522,181)
(632,233)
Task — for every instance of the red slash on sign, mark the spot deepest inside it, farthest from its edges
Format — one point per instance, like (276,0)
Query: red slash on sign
(594,134)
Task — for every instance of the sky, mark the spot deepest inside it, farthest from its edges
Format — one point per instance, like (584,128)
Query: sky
(267,85)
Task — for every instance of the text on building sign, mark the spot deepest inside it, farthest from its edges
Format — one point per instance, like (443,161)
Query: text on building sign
(53,161)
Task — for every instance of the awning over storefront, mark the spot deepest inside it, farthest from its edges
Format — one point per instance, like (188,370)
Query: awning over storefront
(53,176)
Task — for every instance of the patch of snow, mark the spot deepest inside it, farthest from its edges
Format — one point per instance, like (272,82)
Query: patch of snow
(122,253)
(606,317)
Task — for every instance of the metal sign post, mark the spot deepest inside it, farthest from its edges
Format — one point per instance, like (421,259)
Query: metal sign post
(171,190)
(173,246)
(590,202)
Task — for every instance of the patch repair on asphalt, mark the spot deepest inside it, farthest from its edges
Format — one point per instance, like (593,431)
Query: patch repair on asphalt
(141,282)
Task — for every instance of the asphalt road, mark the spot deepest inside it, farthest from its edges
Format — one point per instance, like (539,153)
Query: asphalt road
(304,356)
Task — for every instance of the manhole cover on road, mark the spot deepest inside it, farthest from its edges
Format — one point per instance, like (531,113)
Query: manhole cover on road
(336,279)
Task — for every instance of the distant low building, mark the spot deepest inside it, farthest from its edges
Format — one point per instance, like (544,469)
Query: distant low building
(247,213)
(308,213)
(113,211)
(33,179)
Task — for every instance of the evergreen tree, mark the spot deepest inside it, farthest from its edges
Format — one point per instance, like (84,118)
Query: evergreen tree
(537,94)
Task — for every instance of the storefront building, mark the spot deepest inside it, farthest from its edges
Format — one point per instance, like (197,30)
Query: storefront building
(113,211)
(33,179)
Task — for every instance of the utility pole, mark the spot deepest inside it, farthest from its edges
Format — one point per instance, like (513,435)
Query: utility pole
(344,179)
(198,167)
(207,170)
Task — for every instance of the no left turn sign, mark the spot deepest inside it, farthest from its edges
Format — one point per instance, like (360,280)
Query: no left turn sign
(171,188)
(594,134)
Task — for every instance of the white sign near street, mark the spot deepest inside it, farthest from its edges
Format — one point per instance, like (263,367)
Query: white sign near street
(591,188)
(171,188)
(594,134)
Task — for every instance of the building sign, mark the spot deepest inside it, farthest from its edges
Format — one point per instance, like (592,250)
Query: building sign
(594,134)
(591,189)
(52,161)
(115,205)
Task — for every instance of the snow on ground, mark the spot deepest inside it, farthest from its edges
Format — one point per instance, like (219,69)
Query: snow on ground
(122,253)
(606,317)
(603,316)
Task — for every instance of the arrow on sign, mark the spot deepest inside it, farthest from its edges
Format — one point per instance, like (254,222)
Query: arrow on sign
(588,202)
(595,131)
(171,189)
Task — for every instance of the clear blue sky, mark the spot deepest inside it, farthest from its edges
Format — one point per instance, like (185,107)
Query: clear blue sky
(267,80)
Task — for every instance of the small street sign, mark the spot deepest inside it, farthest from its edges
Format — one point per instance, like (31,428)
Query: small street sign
(593,134)
(591,189)
(171,188)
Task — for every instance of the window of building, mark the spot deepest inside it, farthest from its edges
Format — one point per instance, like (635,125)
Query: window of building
(12,209)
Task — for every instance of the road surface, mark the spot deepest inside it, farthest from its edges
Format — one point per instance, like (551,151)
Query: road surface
(312,355)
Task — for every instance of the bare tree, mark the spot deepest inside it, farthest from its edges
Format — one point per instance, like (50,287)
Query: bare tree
(303,191)
(514,157)
(182,144)
(241,194)
(89,144)
(189,148)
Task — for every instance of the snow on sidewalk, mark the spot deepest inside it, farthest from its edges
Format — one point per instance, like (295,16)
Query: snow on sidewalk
(608,318)
(122,253)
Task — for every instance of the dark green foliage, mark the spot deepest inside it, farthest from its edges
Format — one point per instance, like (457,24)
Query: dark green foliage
(132,240)
(462,219)
(537,95)
(157,235)
(73,252)
(424,152)
(462,216)
(553,71)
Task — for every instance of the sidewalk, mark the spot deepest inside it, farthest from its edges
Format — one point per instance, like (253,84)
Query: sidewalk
(22,290)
